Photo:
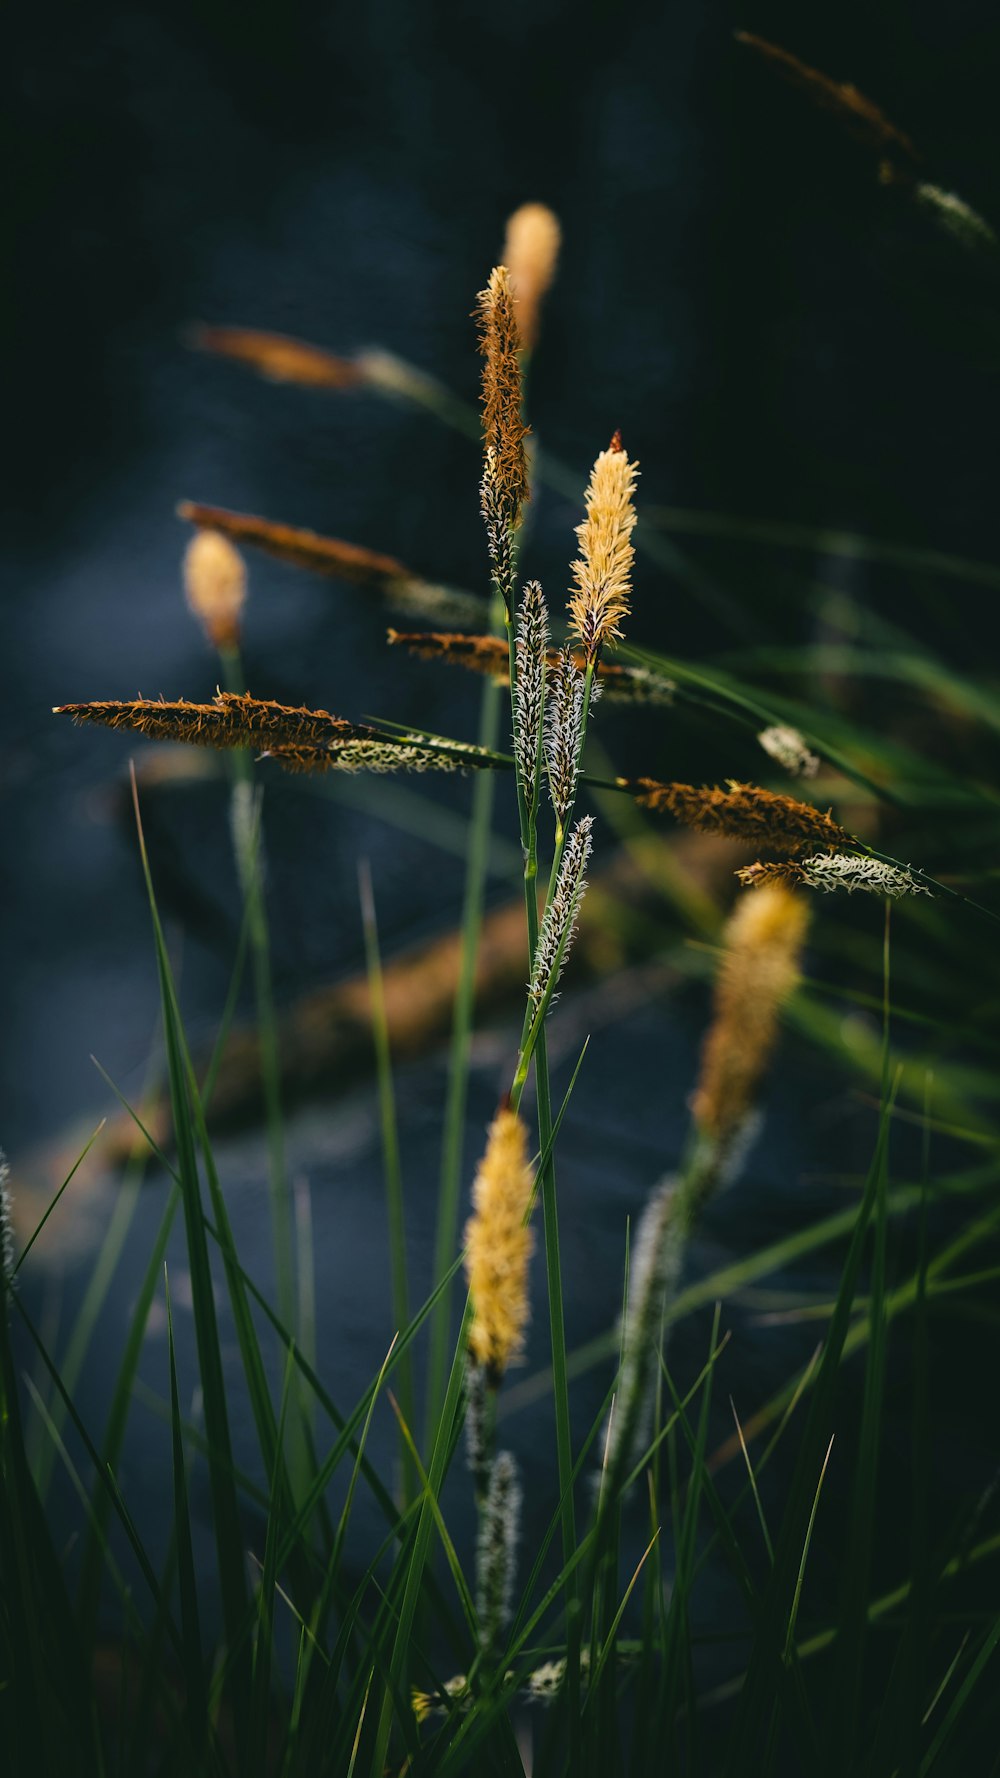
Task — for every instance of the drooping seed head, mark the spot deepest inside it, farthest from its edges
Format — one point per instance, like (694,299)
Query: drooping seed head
(745,812)
(849,871)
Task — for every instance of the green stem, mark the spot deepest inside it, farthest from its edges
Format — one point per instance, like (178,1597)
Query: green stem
(250,870)
(527,814)
(393,1174)
(449,1189)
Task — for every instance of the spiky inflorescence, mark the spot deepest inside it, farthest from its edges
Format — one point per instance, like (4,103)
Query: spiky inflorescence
(300,548)
(276,356)
(530,253)
(505,472)
(789,748)
(837,870)
(531,646)
(602,572)
(744,812)
(477,1446)
(656,1257)
(762,944)
(378,755)
(496,1550)
(563,730)
(561,914)
(215,583)
(498,1245)
(489,655)
(232,719)
(337,560)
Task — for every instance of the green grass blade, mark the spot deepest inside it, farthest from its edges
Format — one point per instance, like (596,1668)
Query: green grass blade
(196,1699)
(391,1165)
(228,1539)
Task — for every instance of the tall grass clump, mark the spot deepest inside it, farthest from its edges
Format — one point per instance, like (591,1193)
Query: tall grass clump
(580,1632)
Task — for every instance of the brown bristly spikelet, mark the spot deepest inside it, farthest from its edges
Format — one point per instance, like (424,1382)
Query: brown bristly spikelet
(289,543)
(504,487)
(504,431)
(602,572)
(770,870)
(232,719)
(762,945)
(489,655)
(860,116)
(530,253)
(215,584)
(745,812)
(279,358)
(498,1245)
(480,654)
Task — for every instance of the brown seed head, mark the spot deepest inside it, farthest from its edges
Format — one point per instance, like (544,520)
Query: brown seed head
(280,359)
(232,719)
(858,114)
(490,655)
(498,1245)
(602,573)
(760,967)
(215,582)
(504,431)
(746,812)
(289,543)
(530,253)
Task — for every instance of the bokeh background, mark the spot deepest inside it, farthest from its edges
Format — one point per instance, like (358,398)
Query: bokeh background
(779,336)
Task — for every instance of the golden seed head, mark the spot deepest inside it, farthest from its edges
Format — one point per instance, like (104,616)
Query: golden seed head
(215,583)
(530,253)
(602,573)
(762,943)
(504,431)
(498,1245)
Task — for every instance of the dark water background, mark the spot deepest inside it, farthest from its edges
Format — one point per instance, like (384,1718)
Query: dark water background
(776,335)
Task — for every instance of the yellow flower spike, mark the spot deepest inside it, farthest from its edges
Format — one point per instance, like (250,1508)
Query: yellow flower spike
(530,253)
(499,1245)
(760,967)
(215,584)
(602,572)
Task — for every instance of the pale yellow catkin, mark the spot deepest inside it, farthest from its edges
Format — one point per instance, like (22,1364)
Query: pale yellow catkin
(760,967)
(599,600)
(215,584)
(498,1245)
(531,253)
